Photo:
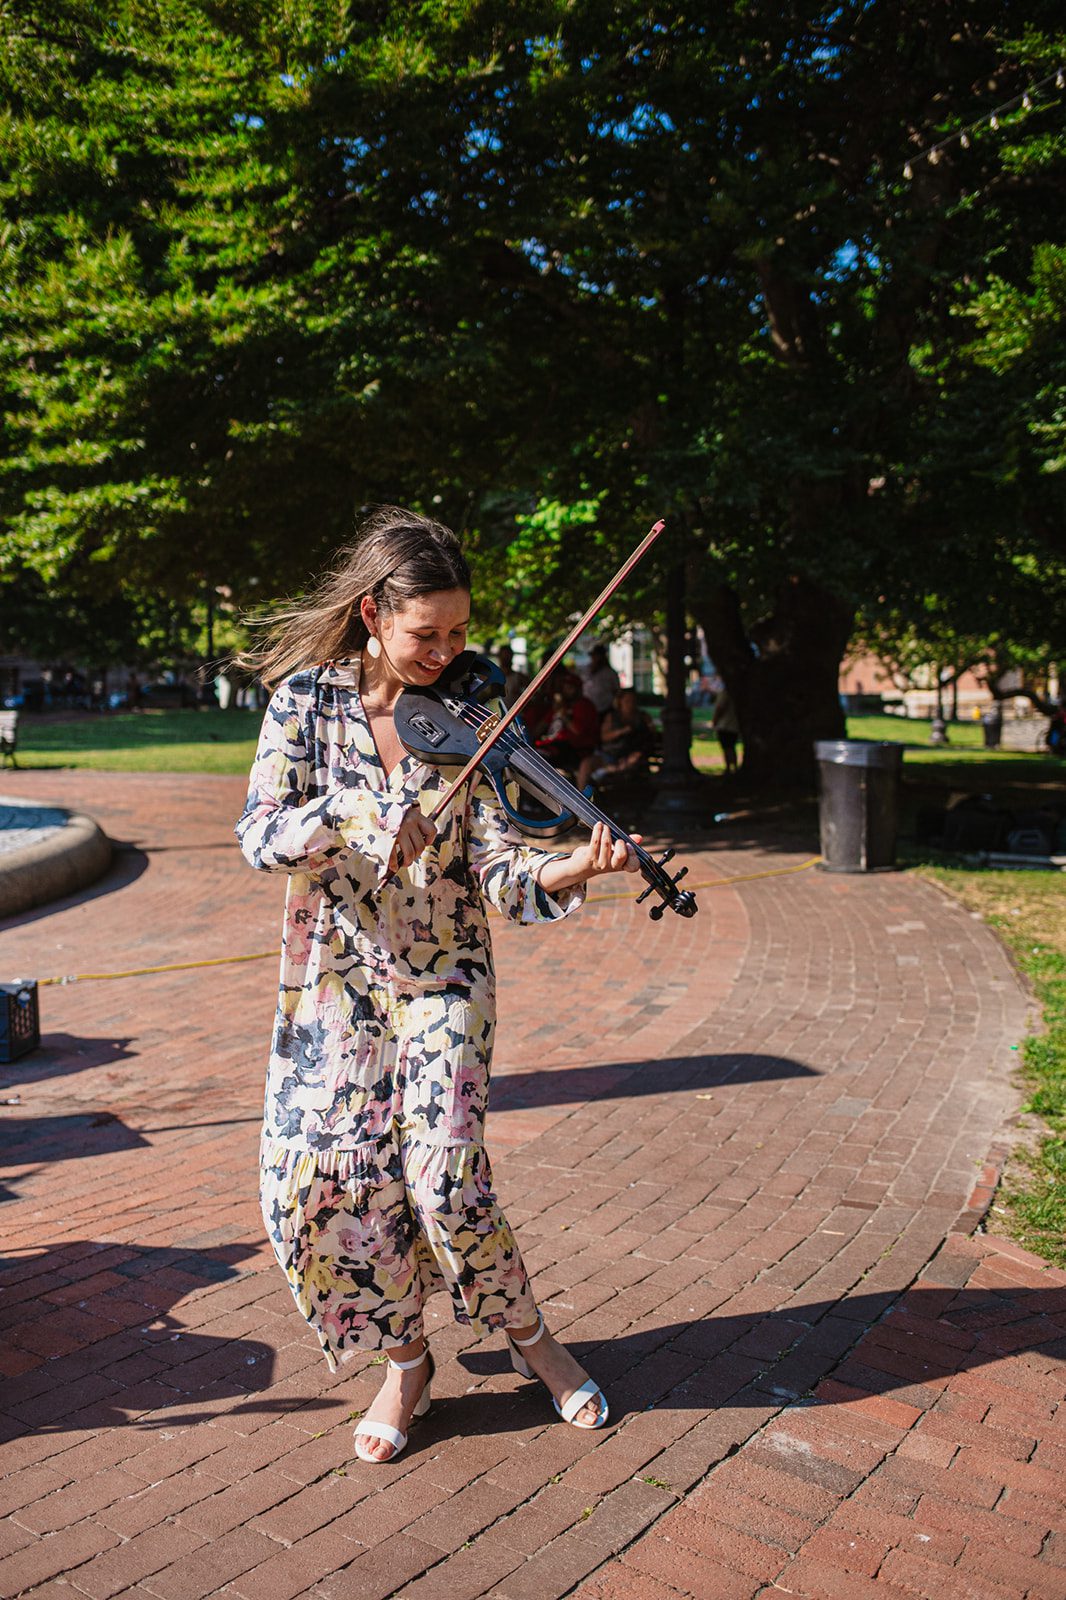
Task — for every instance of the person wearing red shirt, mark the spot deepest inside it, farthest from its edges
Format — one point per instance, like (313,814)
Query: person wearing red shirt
(574,730)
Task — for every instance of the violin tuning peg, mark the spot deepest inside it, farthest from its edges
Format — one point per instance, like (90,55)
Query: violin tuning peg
(667,855)
(655,912)
(680,874)
(645,894)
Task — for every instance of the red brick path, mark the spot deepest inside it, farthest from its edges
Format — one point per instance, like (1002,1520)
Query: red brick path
(746,1155)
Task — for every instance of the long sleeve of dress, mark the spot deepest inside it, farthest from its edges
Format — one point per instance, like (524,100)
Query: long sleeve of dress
(506,867)
(281,830)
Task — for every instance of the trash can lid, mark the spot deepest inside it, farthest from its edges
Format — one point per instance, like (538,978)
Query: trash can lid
(859,752)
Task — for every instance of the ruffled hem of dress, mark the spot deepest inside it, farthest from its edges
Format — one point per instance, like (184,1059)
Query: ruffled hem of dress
(460,1175)
(361,1163)
(462,1160)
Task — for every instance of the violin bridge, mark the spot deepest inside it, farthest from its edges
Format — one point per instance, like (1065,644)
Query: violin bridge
(486,727)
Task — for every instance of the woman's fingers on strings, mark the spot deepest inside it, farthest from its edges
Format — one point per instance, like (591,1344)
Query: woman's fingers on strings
(608,854)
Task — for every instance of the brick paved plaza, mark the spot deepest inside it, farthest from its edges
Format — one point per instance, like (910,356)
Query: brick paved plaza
(746,1155)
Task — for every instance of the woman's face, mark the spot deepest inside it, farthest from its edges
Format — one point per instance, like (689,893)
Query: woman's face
(424,635)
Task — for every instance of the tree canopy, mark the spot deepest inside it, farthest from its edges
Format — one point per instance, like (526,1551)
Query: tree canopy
(551,272)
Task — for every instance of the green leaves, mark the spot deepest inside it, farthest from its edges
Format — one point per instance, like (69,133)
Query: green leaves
(551,271)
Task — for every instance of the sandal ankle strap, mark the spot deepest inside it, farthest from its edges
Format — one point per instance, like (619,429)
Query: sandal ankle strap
(408,1366)
(522,1343)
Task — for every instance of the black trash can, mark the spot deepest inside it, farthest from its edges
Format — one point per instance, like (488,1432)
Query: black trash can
(858,794)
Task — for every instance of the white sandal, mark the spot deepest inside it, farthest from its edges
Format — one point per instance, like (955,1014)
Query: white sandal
(589,1391)
(384,1430)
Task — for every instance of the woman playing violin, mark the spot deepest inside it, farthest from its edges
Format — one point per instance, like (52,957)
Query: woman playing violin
(375,1183)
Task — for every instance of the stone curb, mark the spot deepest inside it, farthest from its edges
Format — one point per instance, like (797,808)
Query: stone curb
(74,857)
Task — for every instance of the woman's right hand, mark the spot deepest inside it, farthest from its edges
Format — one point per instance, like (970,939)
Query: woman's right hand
(416,832)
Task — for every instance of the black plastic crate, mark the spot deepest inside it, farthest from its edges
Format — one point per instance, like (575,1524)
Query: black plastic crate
(20,1021)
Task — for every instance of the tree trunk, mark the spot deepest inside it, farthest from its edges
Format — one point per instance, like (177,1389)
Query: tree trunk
(783,676)
(677,717)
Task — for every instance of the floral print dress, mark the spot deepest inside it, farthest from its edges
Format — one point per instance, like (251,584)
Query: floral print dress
(375,1184)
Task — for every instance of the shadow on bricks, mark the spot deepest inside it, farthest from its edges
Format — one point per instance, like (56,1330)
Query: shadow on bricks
(63,1053)
(116,1357)
(562,1085)
(99,1314)
(128,863)
(903,1345)
(74,1137)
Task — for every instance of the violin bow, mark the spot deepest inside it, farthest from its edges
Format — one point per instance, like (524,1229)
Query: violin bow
(546,670)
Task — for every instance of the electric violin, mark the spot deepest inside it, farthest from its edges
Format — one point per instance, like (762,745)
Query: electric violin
(453,725)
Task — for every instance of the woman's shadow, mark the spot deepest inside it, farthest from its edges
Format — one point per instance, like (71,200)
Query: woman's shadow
(109,1352)
(96,1319)
(872,1344)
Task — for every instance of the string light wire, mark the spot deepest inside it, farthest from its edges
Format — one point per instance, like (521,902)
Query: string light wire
(961,136)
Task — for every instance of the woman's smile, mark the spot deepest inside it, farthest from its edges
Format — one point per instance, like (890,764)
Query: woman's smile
(427,633)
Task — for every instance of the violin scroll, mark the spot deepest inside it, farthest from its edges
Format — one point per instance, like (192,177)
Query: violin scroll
(683,902)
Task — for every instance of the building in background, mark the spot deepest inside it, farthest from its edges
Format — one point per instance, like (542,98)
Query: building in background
(866,683)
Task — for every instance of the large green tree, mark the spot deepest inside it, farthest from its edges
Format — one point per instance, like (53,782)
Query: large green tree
(265,263)
(795,385)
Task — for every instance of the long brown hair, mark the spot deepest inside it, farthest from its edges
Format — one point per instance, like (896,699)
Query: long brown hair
(397,555)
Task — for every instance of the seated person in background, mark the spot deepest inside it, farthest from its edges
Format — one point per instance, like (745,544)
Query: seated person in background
(626,740)
(574,727)
(600,680)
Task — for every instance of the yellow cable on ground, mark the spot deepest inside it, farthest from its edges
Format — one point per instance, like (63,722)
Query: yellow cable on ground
(262,955)
(718,883)
(173,966)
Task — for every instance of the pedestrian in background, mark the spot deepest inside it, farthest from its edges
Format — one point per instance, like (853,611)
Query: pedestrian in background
(599,680)
(513,680)
(992,725)
(726,726)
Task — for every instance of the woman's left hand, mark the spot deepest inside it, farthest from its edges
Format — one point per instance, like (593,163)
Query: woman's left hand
(602,854)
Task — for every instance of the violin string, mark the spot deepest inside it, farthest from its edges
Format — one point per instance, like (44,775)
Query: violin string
(544,768)
(516,745)
(475,717)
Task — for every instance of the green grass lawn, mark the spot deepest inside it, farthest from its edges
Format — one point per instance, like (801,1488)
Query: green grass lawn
(143,741)
(944,765)
(224,741)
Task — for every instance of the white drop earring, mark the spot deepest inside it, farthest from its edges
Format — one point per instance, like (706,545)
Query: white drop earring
(373,646)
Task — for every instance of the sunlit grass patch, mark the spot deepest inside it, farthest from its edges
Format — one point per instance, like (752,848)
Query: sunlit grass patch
(1028,910)
(144,741)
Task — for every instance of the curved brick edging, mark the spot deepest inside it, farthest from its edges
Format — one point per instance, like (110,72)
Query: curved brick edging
(64,860)
(981,1196)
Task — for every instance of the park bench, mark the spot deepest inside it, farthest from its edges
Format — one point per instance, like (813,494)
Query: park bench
(9,727)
